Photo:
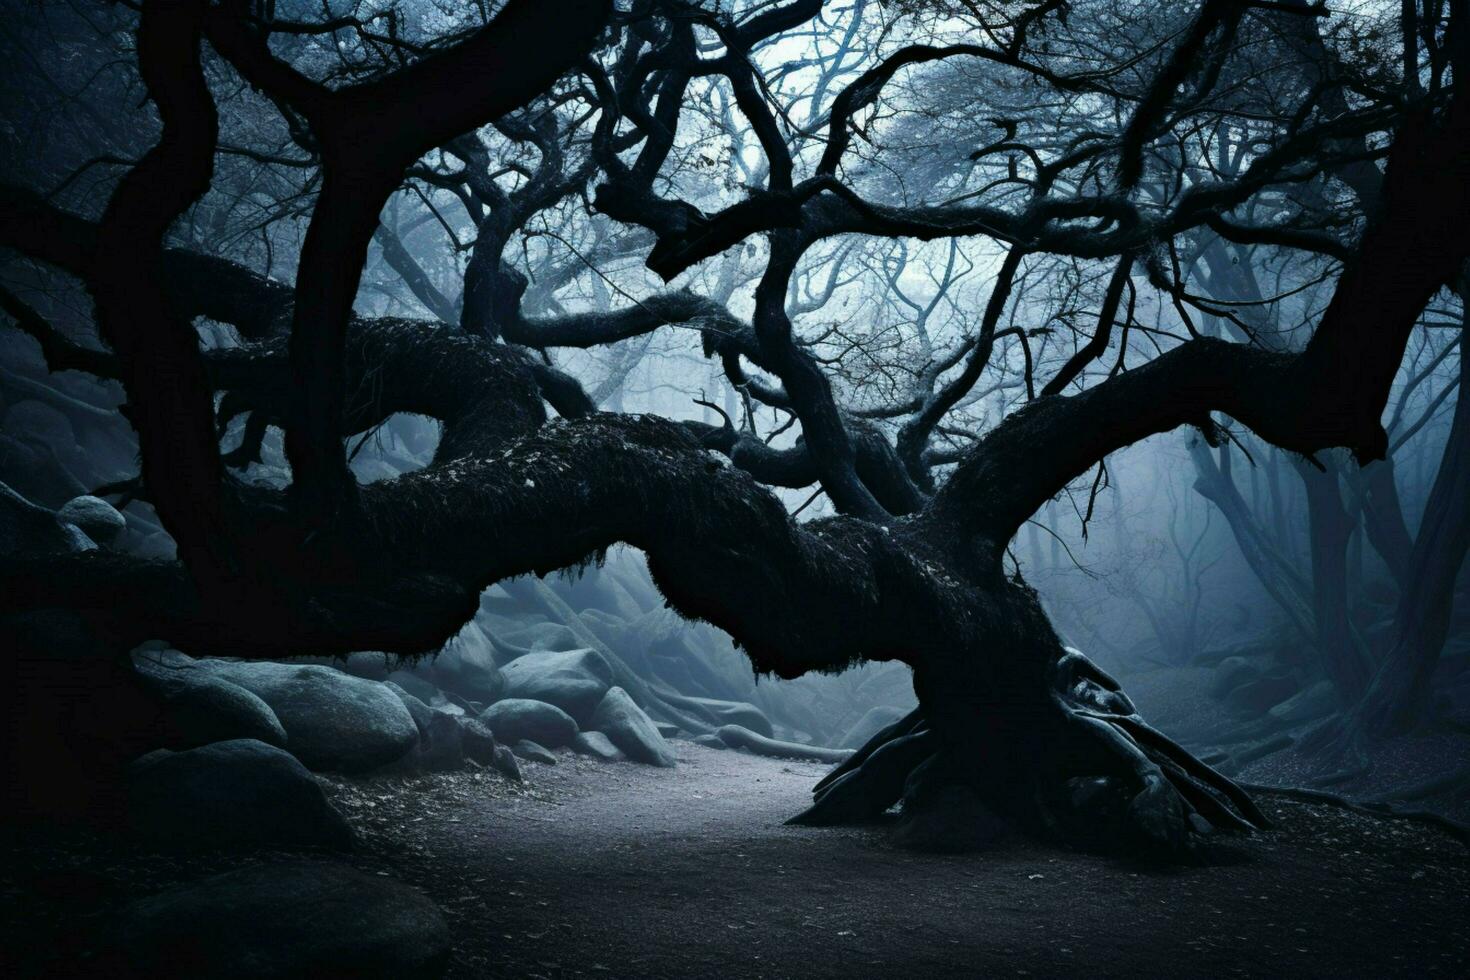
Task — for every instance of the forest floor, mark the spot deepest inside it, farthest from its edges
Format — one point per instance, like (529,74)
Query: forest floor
(593,869)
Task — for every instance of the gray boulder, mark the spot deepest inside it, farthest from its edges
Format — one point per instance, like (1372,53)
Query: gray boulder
(98,519)
(417,709)
(632,731)
(517,718)
(597,746)
(369,665)
(409,701)
(333,721)
(154,657)
(228,794)
(573,680)
(442,746)
(478,739)
(298,920)
(505,763)
(455,707)
(447,736)
(873,721)
(448,699)
(201,708)
(532,752)
(414,684)
(466,665)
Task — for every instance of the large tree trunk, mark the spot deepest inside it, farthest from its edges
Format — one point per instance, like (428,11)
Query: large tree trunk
(1039,738)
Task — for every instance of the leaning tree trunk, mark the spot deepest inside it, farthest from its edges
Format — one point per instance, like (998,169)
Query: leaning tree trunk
(1037,737)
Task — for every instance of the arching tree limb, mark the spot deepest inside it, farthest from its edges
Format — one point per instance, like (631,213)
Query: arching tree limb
(1331,394)
(369,134)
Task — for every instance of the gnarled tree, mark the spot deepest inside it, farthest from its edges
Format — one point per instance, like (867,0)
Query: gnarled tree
(911,568)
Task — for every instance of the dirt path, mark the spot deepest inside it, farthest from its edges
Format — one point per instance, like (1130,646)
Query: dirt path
(620,870)
(624,870)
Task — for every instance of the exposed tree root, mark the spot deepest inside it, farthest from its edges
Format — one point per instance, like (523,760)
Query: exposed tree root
(868,790)
(1103,776)
(743,738)
(910,722)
